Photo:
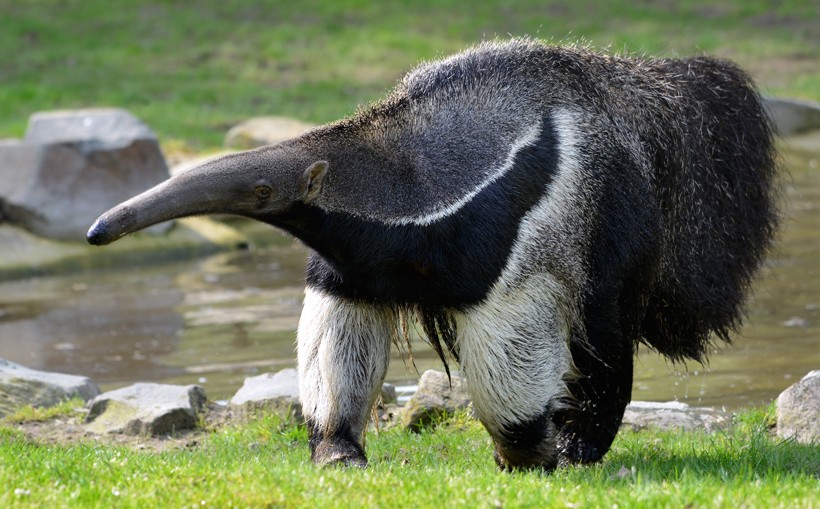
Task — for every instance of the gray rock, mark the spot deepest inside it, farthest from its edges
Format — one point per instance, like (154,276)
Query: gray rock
(261,131)
(90,130)
(146,409)
(798,410)
(72,166)
(436,397)
(388,394)
(792,116)
(278,393)
(673,415)
(20,386)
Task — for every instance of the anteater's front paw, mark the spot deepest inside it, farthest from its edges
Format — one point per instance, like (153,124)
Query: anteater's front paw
(339,452)
(512,460)
(574,450)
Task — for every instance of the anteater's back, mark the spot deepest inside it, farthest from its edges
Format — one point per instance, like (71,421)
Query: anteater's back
(694,130)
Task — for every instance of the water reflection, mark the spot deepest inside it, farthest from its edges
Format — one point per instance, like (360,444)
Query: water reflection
(215,321)
(92,326)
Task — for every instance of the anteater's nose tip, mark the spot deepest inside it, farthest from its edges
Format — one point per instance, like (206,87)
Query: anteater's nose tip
(97,233)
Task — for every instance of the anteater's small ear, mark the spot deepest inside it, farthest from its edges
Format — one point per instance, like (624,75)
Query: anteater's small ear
(312,180)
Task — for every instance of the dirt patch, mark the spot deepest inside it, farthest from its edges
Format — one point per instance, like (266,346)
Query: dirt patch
(70,430)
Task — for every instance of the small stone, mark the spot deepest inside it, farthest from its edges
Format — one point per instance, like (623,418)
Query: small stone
(673,415)
(798,410)
(147,409)
(436,397)
(388,394)
(793,116)
(74,165)
(276,392)
(20,386)
(262,131)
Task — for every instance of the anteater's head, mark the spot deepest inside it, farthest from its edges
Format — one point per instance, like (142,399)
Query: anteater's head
(259,184)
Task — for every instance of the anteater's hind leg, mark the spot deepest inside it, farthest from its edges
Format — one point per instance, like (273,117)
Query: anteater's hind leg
(602,390)
(343,351)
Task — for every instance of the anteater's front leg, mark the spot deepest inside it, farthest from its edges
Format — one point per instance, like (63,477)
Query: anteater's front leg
(514,353)
(601,388)
(343,351)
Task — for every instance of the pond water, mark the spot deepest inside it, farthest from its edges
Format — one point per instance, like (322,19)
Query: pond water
(217,320)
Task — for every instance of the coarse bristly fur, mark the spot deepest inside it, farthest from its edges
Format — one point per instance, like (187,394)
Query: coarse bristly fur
(694,129)
(539,210)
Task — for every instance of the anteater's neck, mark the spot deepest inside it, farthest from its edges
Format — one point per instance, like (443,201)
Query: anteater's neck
(451,261)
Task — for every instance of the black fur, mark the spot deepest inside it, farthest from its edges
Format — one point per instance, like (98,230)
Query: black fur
(450,263)
(527,444)
(341,447)
(715,187)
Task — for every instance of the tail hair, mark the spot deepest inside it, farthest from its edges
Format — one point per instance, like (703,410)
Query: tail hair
(716,173)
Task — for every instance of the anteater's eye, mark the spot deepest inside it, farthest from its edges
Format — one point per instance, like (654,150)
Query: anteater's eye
(262,191)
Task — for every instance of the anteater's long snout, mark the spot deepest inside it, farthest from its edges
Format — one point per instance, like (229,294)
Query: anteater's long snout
(171,199)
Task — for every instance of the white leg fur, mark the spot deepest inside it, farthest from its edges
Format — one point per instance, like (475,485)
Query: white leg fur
(514,346)
(514,351)
(343,352)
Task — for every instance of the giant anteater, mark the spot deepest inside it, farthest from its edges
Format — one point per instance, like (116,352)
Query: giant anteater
(539,210)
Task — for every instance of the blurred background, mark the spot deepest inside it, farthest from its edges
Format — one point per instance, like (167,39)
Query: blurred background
(191,70)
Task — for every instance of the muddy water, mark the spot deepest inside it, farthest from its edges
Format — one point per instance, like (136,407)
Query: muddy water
(217,320)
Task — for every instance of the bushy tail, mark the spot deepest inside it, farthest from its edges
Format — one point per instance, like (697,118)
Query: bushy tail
(716,176)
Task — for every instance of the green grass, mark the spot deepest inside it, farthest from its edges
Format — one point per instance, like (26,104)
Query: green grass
(192,69)
(30,413)
(265,464)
